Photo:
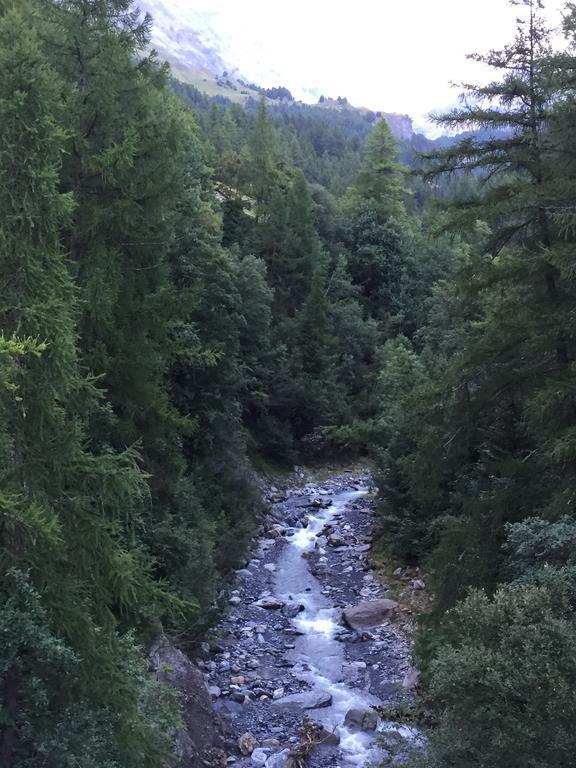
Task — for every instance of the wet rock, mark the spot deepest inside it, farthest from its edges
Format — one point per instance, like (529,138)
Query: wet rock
(270,567)
(320,503)
(247,743)
(346,637)
(291,610)
(369,614)
(244,574)
(361,720)
(329,738)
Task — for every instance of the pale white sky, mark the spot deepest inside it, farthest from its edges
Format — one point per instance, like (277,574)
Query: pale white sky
(395,55)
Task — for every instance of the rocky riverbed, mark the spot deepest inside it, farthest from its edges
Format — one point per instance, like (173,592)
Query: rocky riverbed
(309,645)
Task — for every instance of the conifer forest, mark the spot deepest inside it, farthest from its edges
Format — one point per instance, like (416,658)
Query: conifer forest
(197,294)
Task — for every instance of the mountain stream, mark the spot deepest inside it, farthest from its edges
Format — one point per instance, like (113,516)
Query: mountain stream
(284,655)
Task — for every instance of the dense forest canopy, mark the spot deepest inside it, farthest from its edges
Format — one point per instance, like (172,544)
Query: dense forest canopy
(192,288)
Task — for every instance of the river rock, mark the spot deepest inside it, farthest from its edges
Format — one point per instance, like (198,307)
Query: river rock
(279,760)
(235,600)
(369,614)
(259,757)
(361,720)
(329,738)
(270,603)
(271,743)
(247,743)
(240,697)
(291,610)
(307,700)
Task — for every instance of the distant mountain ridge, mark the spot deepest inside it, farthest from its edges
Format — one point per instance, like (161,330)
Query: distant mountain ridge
(195,53)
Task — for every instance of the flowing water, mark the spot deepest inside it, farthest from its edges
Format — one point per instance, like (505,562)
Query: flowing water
(318,656)
(314,666)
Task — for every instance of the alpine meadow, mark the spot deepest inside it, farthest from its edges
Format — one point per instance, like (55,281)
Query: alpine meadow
(287,407)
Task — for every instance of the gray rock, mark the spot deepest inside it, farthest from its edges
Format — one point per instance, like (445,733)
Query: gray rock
(259,757)
(235,600)
(411,679)
(270,603)
(201,729)
(247,743)
(279,760)
(291,610)
(369,614)
(271,744)
(306,700)
(239,697)
(361,720)
(214,691)
(330,738)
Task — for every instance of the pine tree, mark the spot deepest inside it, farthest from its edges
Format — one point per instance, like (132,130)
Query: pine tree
(380,181)
(262,165)
(70,568)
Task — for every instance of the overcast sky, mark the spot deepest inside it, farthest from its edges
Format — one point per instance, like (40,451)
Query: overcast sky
(396,55)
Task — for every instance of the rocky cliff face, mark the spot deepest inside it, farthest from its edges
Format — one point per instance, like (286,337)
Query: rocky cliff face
(190,43)
(400,125)
(197,744)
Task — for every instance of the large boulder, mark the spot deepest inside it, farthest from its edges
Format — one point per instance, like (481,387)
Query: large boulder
(202,731)
(369,614)
(361,720)
(306,700)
